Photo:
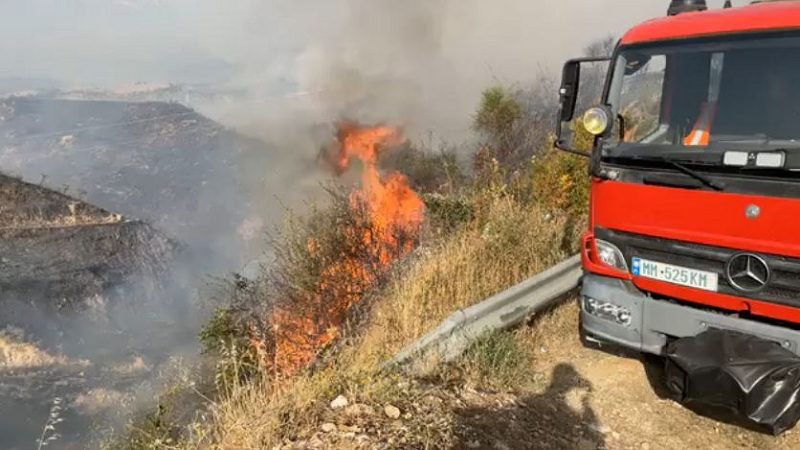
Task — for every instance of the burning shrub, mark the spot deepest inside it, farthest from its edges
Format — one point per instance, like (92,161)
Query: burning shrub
(326,264)
(494,230)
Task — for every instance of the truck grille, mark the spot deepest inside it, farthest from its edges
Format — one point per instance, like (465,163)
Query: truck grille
(783,287)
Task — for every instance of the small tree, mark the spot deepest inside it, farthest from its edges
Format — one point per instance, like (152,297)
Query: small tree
(498,113)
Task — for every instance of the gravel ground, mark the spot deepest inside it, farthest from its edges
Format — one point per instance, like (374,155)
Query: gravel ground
(586,398)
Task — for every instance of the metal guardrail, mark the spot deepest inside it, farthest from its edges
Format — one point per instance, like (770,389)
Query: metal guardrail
(499,312)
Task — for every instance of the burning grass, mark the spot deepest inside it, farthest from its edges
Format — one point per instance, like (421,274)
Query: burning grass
(339,266)
(327,264)
(469,265)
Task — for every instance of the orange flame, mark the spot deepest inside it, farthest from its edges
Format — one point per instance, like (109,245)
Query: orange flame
(393,208)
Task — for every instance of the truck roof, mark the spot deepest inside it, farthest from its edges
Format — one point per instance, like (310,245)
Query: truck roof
(767,16)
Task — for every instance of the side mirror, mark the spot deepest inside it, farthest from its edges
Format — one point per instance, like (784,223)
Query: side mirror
(569,93)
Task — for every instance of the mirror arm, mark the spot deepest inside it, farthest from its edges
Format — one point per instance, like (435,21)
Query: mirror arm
(561,145)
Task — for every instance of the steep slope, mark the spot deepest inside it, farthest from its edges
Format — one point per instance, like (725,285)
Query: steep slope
(69,271)
(159,162)
(57,250)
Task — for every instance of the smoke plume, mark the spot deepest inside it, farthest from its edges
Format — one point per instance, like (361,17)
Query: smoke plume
(422,62)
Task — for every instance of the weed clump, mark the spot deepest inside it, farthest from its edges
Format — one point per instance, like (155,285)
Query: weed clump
(497,361)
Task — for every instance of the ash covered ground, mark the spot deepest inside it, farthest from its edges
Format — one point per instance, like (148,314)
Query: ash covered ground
(158,162)
(115,217)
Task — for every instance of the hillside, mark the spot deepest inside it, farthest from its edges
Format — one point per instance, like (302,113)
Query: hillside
(159,162)
(300,352)
(25,205)
(376,266)
(60,251)
(66,268)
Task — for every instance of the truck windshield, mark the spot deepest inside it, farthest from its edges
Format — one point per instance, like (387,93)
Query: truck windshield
(707,96)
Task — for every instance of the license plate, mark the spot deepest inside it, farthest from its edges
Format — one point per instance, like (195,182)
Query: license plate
(699,279)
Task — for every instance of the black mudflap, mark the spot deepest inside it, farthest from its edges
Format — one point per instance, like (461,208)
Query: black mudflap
(756,379)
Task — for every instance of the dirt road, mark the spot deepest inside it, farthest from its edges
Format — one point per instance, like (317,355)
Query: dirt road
(584,398)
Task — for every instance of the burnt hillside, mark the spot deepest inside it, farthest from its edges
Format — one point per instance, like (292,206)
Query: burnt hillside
(58,251)
(82,290)
(25,205)
(158,162)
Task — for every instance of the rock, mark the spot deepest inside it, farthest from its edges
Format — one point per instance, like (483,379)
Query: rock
(392,412)
(328,427)
(602,429)
(339,402)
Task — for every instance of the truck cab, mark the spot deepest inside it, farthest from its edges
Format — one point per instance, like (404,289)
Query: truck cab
(694,218)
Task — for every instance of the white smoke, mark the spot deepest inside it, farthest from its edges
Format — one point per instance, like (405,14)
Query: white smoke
(418,61)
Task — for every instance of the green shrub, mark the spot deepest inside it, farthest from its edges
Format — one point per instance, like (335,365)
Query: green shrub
(498,112)
(497,360)
(560,181)
(448,213)
(426,171)
(221,331)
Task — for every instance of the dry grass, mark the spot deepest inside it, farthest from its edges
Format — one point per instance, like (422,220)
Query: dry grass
(518,242)
(515,242)
(13,220)
(507,241)
(550,329)
(25,205)
(17,354)
(506,224)
(508,362)
(291,414)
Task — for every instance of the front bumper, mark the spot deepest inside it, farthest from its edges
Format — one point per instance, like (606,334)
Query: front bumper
(652,322)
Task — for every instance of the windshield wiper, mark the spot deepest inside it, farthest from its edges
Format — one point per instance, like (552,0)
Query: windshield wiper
(680,167)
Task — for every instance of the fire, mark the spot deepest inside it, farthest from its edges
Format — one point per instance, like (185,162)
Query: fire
(393,206)
(395,213)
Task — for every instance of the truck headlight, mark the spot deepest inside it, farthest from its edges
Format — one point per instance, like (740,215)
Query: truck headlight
(608,311)
(610,255)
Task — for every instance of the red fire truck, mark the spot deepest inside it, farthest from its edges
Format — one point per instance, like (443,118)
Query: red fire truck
(695,178)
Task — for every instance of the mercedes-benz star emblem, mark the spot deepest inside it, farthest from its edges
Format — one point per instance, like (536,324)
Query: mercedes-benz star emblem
(748,272)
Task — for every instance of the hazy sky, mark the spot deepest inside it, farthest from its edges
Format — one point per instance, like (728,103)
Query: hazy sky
(422,61)
(110,41)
